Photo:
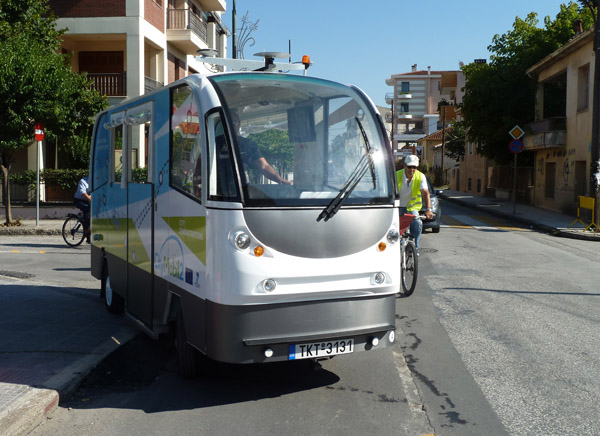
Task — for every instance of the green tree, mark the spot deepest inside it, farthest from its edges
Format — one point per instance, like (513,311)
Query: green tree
(455,140)
(37,84)
(499,94)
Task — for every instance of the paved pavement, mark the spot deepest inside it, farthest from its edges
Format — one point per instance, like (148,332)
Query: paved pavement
(543,220)
(51,337)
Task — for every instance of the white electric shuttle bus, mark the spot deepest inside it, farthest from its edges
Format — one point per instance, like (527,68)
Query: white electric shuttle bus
(246,261)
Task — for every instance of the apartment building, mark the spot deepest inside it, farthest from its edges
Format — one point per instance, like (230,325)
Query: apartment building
(414,102)
(128,47)
(562,132)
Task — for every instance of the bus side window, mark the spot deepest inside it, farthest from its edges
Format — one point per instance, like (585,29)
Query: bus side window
(186,143)
(222,176)
(116,140)
(101,154)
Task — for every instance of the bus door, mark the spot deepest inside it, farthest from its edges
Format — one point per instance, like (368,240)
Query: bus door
(140,211)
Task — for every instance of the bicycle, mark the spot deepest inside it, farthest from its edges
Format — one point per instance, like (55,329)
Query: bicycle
(73,230)
(409,262)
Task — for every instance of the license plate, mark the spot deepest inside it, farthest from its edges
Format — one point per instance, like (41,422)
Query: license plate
(321,349)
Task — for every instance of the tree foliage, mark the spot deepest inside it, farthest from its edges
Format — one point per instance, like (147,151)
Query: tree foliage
(37,83)
(499,94)
(455,140)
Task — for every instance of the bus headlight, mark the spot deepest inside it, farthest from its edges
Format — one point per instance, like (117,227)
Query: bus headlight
(393,236)
(379,278)
(241,240)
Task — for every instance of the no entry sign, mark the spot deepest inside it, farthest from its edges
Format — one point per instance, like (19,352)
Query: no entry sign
(39,132)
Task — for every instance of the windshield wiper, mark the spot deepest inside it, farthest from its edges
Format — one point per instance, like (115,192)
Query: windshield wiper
(363,165)
(359,171)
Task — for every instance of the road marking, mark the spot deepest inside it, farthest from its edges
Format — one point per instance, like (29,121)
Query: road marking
(22,252)
(479,222)
(452,222)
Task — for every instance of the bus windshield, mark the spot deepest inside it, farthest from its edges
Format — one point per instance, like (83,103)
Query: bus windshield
(301,141)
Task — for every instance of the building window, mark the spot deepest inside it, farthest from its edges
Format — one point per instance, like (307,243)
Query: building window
(469,184)
(479,185)
(470,148)
(583,87)
(403,107)
(405,87)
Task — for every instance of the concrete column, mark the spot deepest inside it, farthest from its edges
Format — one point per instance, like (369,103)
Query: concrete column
(135,62)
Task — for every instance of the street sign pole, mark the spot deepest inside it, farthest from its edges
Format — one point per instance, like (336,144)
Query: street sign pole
(37,185)
(515,187)
(39,137)
(515,146)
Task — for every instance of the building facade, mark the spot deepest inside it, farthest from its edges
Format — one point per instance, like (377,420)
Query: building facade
(414,103)
(128,47)
(562,132)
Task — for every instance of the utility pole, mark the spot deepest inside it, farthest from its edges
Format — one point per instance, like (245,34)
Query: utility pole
(234,34)
(595,149)
(443,143)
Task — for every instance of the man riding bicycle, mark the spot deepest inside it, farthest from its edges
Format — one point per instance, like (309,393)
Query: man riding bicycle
(412,184)
(82,201)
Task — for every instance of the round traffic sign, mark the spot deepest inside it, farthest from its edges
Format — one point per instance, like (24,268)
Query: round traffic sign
(516,146)
(39,132)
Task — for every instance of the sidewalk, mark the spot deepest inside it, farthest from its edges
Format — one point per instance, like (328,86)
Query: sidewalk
(52,337)
(543,220)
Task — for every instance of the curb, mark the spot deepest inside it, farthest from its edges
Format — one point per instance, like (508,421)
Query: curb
(31,409)
(16,231)
(37,405)
(534,225)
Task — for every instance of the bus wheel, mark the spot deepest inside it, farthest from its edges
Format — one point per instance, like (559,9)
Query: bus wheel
(113,302)
(187,364)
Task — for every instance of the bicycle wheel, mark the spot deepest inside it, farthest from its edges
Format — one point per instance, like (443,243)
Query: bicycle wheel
(72,231)
(411,269)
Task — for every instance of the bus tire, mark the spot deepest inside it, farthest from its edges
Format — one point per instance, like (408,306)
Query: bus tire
(187,363)
(113,302)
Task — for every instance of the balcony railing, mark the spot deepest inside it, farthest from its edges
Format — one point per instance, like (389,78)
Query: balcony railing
(151,84)
(179,19)
(547,133)
(109,84)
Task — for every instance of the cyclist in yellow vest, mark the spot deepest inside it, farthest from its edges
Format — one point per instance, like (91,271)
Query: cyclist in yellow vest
(414,192)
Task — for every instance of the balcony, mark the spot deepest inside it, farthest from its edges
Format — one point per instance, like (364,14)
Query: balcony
(151,84)
(389,97)
(212,5)
(448,82)
(186,31)
(546,133)
(109,84)
(412,135)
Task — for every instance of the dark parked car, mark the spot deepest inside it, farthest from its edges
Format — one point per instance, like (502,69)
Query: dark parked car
(433,224)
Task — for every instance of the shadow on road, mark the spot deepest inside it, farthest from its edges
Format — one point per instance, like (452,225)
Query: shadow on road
(149,366)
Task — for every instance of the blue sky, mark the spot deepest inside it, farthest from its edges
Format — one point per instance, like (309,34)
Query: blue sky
(355,43)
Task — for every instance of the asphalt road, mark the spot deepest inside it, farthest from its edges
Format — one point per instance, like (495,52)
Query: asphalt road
(500,338)
(521,310)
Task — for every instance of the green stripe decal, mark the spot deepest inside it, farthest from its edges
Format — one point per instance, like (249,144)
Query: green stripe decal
(191,230)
